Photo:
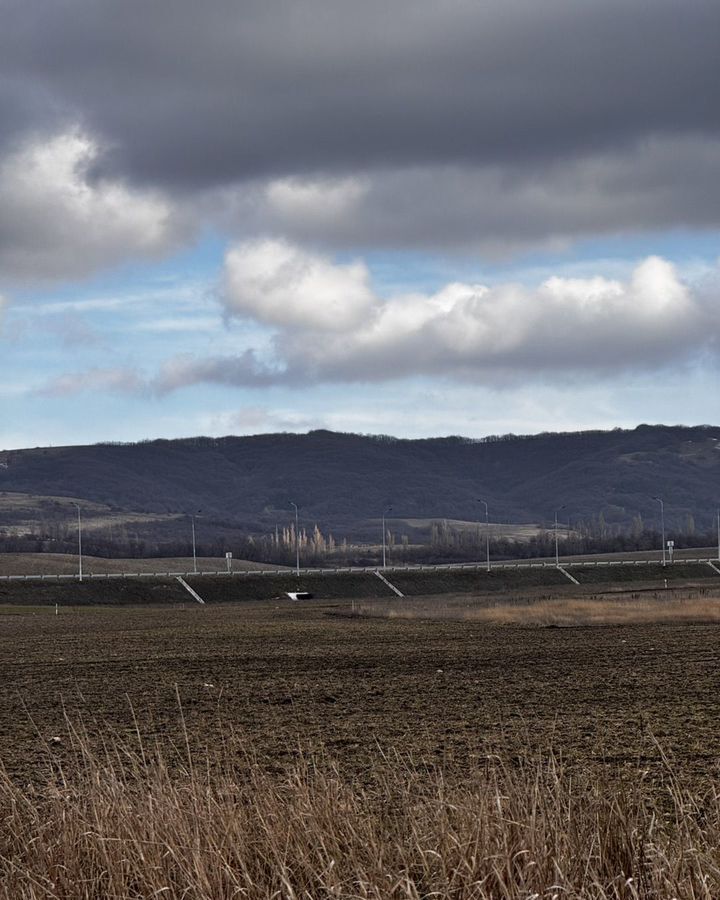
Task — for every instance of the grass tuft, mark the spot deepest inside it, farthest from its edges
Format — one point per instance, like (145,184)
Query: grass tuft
(128,824)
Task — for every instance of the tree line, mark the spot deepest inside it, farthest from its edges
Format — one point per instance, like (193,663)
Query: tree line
(447,542)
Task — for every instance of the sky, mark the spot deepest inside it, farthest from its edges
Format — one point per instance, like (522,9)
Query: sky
(412,218)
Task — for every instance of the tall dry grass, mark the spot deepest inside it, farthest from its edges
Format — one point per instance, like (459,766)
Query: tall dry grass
(561,611)
(128,825)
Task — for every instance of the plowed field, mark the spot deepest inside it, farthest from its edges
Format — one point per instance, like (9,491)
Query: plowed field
(286,677)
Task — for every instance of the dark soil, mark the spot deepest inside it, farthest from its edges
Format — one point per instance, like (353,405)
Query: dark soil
(285,677)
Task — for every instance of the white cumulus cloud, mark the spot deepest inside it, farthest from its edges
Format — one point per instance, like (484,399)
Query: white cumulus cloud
(59,220)
(276,283)
(321,322)
(329,325)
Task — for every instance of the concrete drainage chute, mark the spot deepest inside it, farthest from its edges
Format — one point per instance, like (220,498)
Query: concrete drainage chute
(187,587)
(568,575)
(389,584)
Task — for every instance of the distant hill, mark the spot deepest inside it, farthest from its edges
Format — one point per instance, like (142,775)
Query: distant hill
(344,481)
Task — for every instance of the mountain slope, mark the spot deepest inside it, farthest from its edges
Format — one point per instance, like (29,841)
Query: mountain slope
(343,480)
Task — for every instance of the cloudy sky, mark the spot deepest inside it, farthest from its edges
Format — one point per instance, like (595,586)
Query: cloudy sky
(415,218)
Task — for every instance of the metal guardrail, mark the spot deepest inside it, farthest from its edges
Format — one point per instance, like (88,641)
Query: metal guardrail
(444,567)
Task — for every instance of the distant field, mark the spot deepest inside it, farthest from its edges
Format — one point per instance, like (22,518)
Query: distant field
(67,564)
(22,512)
(497,529)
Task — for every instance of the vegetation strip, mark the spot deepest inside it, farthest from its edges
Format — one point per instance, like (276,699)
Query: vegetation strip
(129,824)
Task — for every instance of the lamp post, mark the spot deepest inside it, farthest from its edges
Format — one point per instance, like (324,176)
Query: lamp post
(662,527)
(385,512)
(192,523)
(557,551)
(487,533)
(718,531)
(297,540)
(80,575)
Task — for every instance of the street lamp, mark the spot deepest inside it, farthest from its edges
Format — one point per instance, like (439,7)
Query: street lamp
(385,512)
(487,532)
(77,505)
(662,526)
(557,552)
(718,531)
(192,522)
(297,540)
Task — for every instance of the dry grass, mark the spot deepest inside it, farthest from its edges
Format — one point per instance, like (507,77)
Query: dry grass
(130,821)
(129,825)
(607,612)
(693,607)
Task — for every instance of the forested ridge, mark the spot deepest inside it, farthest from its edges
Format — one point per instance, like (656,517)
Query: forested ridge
(343,482)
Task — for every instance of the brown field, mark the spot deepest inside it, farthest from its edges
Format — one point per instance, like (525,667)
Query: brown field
(67,564)
(302,750)
(286,676)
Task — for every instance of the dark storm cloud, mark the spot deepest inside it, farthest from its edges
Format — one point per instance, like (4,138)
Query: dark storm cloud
(127,127)
(498,210)
(194,94)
